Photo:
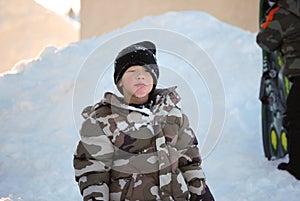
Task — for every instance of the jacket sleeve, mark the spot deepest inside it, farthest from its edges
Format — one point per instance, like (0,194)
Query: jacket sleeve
(92,161)
(190,161)
(270,36)
(180,136)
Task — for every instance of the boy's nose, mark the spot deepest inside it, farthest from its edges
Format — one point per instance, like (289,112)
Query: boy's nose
(141,75)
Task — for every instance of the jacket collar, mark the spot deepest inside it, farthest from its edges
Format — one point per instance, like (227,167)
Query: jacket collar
(157,98)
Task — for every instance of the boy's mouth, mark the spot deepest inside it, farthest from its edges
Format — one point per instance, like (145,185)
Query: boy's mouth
(140,85)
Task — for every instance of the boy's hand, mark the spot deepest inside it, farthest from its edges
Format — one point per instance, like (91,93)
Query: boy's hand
(207,196)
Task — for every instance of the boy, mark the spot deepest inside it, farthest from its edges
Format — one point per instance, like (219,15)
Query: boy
(139,146)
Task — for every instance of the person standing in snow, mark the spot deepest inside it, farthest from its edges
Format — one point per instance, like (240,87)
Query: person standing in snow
(138,146)
(281,33)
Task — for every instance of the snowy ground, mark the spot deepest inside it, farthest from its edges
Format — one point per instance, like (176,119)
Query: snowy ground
(40,99)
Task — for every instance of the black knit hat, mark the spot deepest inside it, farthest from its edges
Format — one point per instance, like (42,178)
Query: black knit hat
(143,54)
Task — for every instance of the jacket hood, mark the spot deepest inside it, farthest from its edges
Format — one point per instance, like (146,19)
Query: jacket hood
(291,5)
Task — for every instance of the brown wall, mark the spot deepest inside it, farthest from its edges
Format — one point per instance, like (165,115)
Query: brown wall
(26,28)
(102,16)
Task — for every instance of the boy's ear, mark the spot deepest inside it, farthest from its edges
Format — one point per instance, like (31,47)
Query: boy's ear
(120,84)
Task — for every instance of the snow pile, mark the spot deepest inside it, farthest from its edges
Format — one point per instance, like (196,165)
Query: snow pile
(38,121)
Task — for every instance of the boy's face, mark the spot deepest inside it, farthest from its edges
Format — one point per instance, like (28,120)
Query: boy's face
(136,84)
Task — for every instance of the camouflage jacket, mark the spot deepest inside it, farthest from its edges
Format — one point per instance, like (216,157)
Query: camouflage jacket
(138,153)
(281,33)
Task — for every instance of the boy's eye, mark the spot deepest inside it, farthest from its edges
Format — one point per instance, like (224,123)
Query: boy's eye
(137,70)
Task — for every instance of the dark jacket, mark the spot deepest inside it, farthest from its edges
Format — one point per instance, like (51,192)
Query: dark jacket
(281,33)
